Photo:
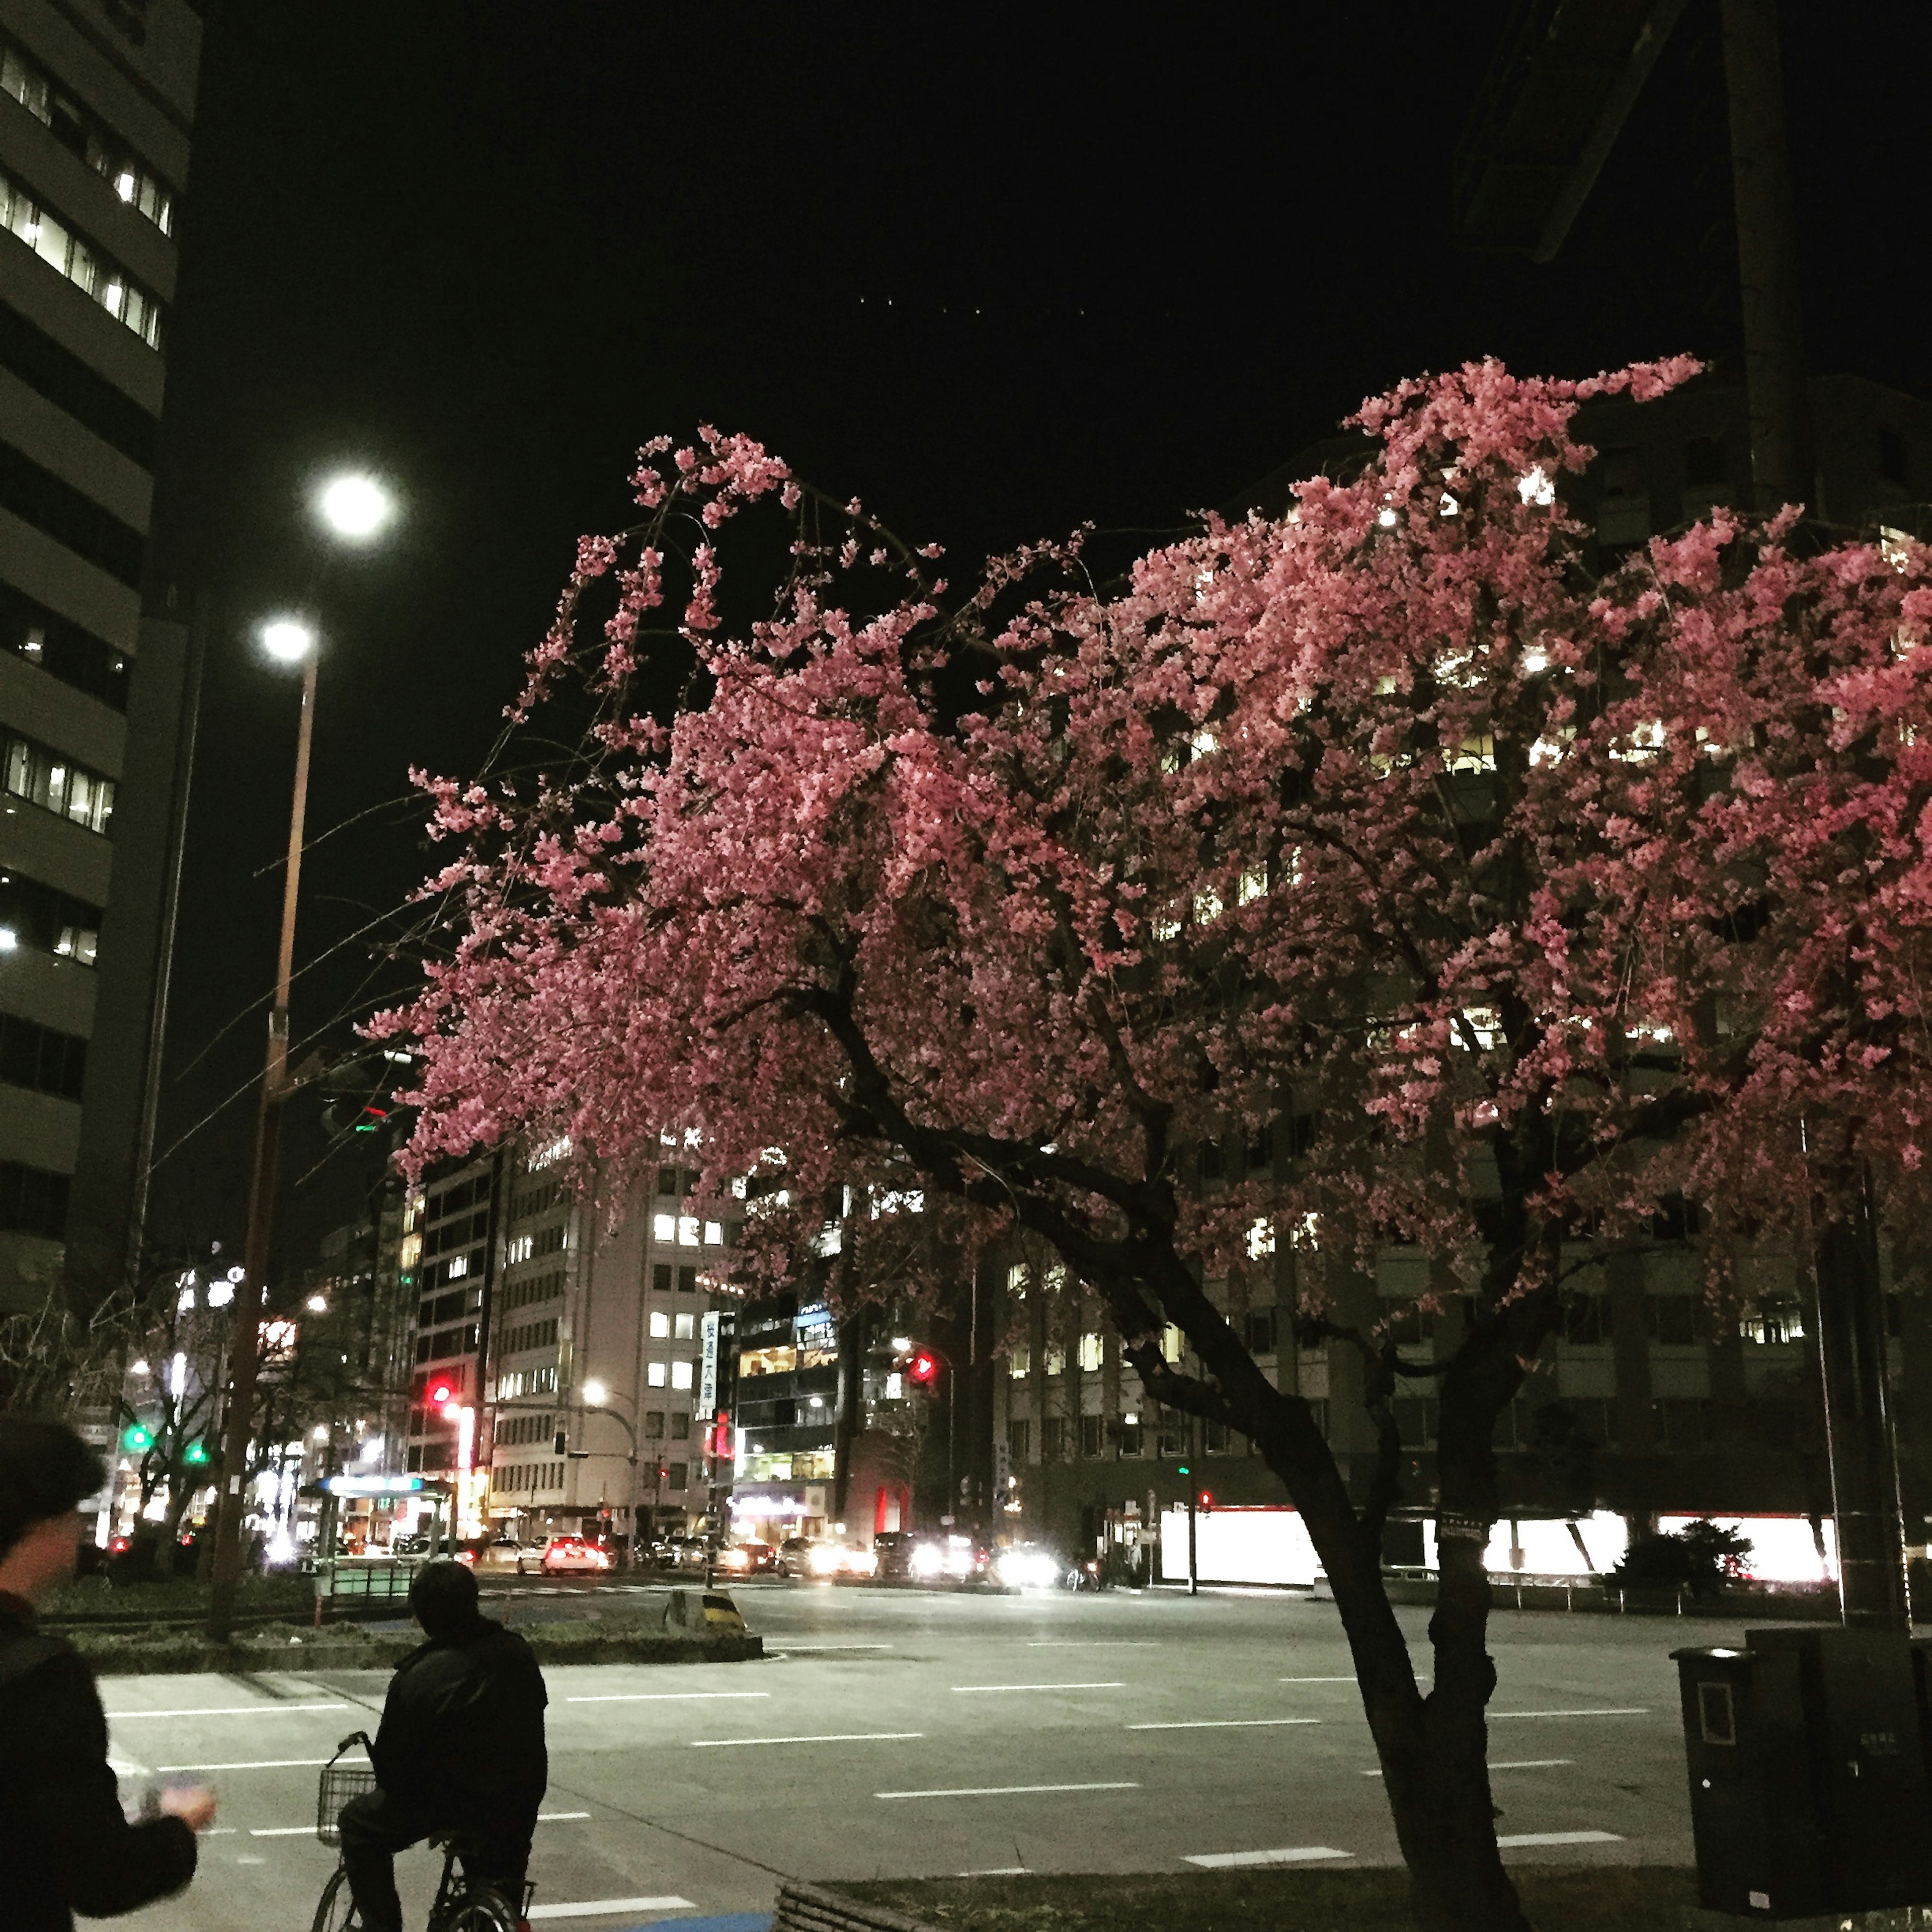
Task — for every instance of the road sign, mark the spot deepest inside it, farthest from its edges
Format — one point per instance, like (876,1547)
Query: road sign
(375,1486)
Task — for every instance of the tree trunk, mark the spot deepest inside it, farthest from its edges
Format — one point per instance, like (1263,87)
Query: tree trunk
(1434,1750)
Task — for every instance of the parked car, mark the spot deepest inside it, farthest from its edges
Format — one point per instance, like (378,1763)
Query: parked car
(689,1553)
(795,1557)
(562,1555)
(413,1543)
(746,1559)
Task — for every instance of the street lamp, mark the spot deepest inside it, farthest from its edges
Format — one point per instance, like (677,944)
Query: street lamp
(596,1401)
(354,508)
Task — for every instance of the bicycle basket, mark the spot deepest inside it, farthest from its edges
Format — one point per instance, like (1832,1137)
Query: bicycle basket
(339,1783)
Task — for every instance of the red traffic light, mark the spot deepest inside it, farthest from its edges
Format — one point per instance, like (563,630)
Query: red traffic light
(440,1392)
(924,1368)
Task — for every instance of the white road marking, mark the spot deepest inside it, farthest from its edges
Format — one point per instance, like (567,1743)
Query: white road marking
(998,1871)
(263,1764)
(1222,1723)
(666,1696)
(1007,1790)
(1287,1855)
(226,1711)
(1629,1711)
(819,1649)
(1315,1680)
(1519,1840)
(968,1689)
(304,1830)
(605,1908)
(1515,1764)
(828,1738)
(1090,1643)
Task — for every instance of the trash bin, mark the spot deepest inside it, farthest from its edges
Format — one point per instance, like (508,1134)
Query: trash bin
(1809,1786)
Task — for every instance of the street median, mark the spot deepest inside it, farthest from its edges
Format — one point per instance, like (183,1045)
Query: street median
(355,1647)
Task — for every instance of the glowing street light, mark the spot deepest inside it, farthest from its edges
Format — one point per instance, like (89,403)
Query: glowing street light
(595,1395)
(355,506)
(287,639)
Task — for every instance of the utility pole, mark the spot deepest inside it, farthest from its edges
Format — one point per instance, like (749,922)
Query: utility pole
(1767,234)
(246,1348)
(1873,1592)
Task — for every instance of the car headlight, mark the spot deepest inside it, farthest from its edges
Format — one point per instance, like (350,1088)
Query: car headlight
(737,1559)
(1028,1570)
(824,1560)
(928,1559)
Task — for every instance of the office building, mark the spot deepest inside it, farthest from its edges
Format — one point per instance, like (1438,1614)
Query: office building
(97,688)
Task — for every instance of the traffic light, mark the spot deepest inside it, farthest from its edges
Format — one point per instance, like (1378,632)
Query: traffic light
(137,1436)
(1182,1471)
(441,1392)
(370,1119)
(923,1369)
(196,1452)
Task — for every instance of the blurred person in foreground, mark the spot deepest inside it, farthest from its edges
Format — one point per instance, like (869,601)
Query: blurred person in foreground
(460,1750)
(65,1844)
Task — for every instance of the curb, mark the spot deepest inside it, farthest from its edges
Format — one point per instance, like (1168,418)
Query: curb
(808,1908)
(185,1659)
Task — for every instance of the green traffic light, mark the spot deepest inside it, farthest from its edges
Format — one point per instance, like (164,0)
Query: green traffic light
(135,1437)
(1182,1471)
(197,1452)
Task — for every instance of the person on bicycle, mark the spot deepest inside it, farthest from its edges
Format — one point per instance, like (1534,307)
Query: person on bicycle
(460,1750)
(65,1844)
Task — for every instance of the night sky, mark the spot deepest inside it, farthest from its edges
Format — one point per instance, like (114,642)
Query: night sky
(1000,275)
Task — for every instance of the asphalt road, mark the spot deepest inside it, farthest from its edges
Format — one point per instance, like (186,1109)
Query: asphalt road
(896,1732)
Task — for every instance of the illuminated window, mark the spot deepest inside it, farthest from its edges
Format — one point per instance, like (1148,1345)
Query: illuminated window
(52,781)
(680,1375)
(1019,1363)
(664,1227)
(96,144)
(1089,1353)
(685,1326)
(654,1375)
(1056,1361)
(687,1230)
(714,1234)
(660,1324)
(82,263)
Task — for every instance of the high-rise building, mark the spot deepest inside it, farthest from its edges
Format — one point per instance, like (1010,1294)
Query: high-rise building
(97,692)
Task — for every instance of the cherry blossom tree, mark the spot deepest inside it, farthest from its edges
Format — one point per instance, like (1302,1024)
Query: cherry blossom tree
(1518,897)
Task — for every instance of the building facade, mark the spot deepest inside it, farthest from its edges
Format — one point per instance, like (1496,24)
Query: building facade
(96,690)
(556,1375)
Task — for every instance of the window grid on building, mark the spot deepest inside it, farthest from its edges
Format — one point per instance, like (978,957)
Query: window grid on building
(97,277)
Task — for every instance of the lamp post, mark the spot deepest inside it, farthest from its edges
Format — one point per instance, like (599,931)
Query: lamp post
(355,508)
(596,1401)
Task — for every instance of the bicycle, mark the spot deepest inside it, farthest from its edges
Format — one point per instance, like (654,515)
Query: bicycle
(463,1904)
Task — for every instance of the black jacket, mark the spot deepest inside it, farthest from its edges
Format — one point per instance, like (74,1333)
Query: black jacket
(65,1845)
(462,1729)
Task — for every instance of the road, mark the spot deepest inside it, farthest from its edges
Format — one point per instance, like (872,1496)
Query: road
(897,1732)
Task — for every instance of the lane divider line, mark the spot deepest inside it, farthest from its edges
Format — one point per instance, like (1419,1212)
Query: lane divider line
(605,1908)
(666,1696)
(1222,1723)
(226,1711)
(828,1738)
(1008,1790)
(1518,1840)
(969,1690)
(1315,1680)
(1517,1764)
(1628,1711)
(262,1764)
(1285,1854)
